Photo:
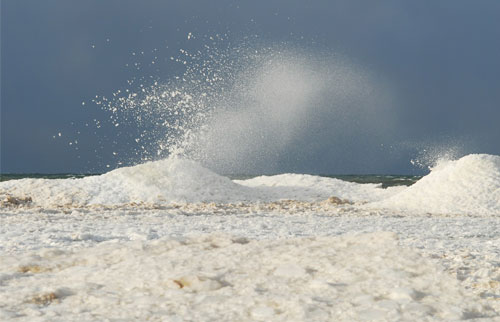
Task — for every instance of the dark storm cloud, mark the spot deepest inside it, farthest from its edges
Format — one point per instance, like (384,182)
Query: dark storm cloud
(439,58)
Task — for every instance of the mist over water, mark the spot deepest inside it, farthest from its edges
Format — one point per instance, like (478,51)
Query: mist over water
(288,110)
(257,109)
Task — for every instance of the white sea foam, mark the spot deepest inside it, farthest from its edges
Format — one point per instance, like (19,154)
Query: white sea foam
(470,185)
(224,278)
(316,188)
(72,263)
(177,180)
(170,180)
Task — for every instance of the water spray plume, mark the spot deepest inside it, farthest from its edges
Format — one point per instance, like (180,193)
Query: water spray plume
(247,110)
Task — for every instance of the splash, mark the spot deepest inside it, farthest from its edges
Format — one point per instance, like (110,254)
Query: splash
(253,109)
(277,111)
(434,155)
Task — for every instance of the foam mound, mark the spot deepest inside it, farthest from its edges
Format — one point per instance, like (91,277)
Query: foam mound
(176,180)
(470,185)
(313,188)
(169,180)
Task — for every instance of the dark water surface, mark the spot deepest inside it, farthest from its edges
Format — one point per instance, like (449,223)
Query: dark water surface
(385,180)
(17,176)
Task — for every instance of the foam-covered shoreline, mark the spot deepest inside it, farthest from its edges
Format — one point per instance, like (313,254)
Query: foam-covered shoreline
(470,185)
(173,240)
(205,277)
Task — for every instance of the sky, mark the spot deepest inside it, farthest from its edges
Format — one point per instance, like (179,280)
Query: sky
(425,75)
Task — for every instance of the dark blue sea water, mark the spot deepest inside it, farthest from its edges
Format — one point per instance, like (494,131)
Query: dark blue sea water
(385,180)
